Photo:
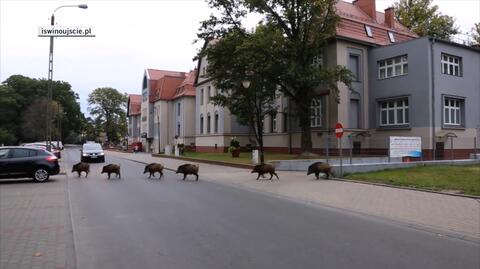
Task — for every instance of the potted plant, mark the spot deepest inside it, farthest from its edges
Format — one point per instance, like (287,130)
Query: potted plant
(181,148)
(234,148)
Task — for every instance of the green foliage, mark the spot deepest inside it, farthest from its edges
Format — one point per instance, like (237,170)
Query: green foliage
(109,107)
(18,93)
(279,53)
(424,19)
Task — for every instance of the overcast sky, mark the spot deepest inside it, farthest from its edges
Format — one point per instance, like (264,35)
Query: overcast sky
(130,36)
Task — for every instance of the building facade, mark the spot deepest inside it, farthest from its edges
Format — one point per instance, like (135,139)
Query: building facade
(427,88)
(134,117)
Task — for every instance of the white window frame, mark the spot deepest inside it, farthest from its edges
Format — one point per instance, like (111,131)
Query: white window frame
(316,112)
(201,96)
(209,122)
(201,124)
(395,109)
(400,62)
(274,125)
(454,111)
(391,36)
(368,30)
(451,65)
(317,61)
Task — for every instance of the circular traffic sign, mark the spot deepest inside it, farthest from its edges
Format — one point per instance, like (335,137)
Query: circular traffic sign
(338,130)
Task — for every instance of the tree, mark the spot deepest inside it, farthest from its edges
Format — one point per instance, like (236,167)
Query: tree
(29,90)
(424,19)
(476,33)
(33,119)
(230,62)
(302,29)
(109,107)
(9,107)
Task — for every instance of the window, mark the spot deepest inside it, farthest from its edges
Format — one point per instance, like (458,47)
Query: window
(201,123)
(274,124)
(3,153)
(178,129)
(204,71)
(354,66)
(391,36)
(208,122)
(207,95)
(178,109)
(369,31)
(394,112)
(317,61)
(215,125)
(451,65)
(316,113)
(201,96)
(452,111)
(393,67)
(21,153)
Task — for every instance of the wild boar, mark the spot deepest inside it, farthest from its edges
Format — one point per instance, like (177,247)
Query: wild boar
(320,167)
(188,169)
(81,167)
(153,168)
(262,169)
(111,168)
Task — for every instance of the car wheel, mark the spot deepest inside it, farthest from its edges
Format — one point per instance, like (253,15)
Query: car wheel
(41,175)
(102,160)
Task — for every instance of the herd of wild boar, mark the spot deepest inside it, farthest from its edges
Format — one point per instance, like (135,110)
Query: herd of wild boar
(192,169)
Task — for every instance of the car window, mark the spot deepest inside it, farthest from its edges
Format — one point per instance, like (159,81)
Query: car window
(92,146)
(3,153)
(33,153)
(20,153)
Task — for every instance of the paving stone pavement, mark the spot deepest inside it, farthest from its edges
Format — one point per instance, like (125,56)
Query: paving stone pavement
(35,231)
(457,216)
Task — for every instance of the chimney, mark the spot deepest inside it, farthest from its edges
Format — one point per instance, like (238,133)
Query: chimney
(390,17)
(367,6)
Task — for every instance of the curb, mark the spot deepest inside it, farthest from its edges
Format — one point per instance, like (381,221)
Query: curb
(236,165)
(408,188)
(247,166)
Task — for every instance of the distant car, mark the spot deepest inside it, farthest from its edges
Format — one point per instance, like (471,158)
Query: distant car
(92,152)
(43,145)
(19,162)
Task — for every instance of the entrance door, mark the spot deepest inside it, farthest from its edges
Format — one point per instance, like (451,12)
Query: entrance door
(439,150)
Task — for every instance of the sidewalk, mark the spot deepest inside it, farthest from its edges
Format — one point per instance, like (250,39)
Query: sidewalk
(35,231)
(457,216)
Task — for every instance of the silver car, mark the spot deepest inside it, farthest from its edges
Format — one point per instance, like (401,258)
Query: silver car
(92,152)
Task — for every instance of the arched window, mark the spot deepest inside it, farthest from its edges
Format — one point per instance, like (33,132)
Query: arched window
(216,122)
(201,123)
(316,113)
(208,122)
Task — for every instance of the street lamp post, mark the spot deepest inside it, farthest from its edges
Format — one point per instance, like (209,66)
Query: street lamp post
(48,125)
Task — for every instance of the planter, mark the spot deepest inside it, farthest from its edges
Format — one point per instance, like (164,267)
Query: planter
(236,153)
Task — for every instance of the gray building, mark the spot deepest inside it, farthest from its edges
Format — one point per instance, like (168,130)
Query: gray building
(428,88)
(133,115)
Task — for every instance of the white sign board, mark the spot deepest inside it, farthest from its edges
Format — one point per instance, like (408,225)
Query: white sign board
(401,146)
(65,31)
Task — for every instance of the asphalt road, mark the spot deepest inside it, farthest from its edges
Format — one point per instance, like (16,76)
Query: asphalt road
(136,222)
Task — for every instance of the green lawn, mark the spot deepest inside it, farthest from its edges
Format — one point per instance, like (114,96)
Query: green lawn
(245,157)
(461,179)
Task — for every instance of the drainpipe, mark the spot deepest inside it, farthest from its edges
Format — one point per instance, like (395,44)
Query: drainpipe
(289,127)
(432,67)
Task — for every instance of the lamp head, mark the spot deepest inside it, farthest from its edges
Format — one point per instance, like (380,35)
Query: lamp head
(246,84)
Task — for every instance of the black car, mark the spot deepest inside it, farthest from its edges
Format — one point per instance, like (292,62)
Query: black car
(18,162)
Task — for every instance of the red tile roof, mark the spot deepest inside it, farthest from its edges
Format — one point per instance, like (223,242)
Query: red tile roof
(353,21)
(186,87)
(134,103)
(165,87)
(154,75)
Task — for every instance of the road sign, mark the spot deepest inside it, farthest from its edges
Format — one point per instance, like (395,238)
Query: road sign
(338,130)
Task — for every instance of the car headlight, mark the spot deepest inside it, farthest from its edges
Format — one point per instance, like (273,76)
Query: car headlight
(101,153)
(84,154)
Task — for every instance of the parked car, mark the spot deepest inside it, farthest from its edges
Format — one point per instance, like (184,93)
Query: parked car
(92,152)
(43,145)
(19,162)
